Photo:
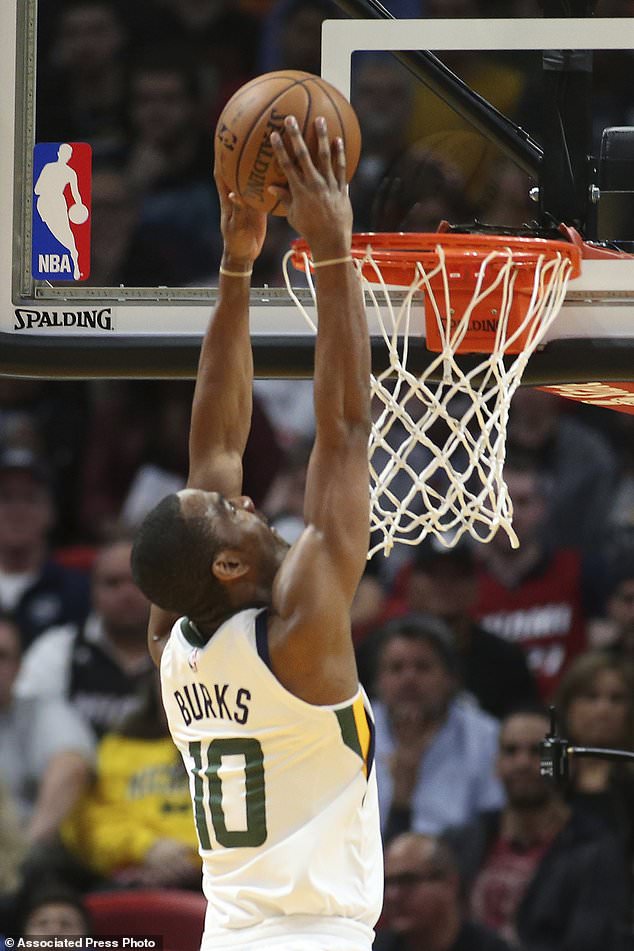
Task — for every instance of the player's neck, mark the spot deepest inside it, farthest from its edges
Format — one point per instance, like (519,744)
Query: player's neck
(207,624)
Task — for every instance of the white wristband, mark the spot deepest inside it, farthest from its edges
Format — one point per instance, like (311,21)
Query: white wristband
(332,261)
(235,273)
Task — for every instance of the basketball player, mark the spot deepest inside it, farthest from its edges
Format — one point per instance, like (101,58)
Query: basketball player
(258,673)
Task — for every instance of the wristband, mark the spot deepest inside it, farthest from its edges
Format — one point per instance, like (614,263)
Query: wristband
(332,261)
(235,273)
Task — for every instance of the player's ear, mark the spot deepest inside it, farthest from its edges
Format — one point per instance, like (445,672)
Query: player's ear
(229,565)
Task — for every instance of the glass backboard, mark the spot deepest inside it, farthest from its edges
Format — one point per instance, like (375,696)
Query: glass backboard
(142,313)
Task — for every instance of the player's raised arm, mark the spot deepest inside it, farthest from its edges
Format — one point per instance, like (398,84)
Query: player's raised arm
(321,573)
(221,410)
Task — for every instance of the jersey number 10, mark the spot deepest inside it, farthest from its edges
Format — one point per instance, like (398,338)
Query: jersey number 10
(208,784)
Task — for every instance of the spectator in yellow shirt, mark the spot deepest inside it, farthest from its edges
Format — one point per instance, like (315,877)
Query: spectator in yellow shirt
(135,825)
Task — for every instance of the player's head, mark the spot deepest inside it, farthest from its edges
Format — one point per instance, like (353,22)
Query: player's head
(206,556)
(64,152)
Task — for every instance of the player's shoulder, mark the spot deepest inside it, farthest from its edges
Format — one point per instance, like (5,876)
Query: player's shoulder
(248,625)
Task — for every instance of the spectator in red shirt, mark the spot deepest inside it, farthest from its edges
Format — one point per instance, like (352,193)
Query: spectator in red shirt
(444,582)
(542,876)
(533,595)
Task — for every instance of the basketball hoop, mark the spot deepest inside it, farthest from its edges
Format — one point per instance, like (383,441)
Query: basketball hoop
(437,446)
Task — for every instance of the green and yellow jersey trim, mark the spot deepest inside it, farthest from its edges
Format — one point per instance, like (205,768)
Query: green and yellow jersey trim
(357,731)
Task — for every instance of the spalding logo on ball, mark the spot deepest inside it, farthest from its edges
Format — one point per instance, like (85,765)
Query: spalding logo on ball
(243,133)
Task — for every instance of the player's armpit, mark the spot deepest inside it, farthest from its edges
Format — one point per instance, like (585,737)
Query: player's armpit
(309,637)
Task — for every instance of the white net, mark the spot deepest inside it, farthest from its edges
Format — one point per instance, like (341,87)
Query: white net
(438,440)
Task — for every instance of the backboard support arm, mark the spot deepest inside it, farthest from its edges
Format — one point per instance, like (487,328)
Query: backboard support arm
(496,127)
(565,167)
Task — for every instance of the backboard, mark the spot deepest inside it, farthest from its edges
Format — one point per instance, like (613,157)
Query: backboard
(57,326)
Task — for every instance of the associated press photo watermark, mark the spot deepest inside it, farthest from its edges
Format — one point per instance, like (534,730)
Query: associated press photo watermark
(118,942)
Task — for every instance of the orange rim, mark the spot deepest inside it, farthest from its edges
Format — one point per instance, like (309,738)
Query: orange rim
(397,253)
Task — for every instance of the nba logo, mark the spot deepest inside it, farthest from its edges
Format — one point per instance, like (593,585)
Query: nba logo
(61,211)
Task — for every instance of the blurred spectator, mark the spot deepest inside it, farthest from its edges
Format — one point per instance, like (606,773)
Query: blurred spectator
(229,49)
(423,907)
(595,702)
(617,632)
(291,35)
(578,460)
(170,153)
(419,190)
(507,201)
(497,78)
(444,582)
(126,250)
(46,750)
(134,826)
(53,909)
(129,429)
(34,590)
(221,40)
(284,503)
(542,877)
(621,516)
(291,32)
(50,418)
(82,89)
(382,95)
(535,595)
(97,666)
(289,406)
(435,753)
(12,844)
(141,424)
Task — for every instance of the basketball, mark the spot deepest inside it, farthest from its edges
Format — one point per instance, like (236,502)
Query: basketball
(78,214)
(242,141)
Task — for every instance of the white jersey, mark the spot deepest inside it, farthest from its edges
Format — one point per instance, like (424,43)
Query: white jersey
(284,796)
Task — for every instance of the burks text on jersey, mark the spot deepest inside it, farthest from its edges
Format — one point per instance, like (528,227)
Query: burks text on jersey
(219,702)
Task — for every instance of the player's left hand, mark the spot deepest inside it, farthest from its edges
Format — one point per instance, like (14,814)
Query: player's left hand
(243,228)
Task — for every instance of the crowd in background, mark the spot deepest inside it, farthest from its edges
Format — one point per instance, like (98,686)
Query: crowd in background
(461,649)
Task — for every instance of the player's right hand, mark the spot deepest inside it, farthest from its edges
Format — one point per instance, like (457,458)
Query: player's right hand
(243,228)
